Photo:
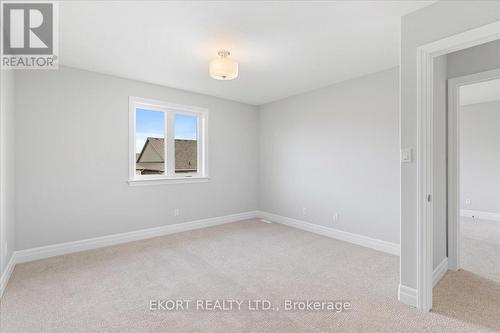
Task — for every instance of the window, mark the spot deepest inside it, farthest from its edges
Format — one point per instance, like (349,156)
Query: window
(167,142)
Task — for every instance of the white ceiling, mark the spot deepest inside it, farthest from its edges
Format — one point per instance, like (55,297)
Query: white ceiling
(481,92)
(284,48)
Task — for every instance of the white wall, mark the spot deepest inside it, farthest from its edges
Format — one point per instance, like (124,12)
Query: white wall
(475,59)
(480,157)
(72,159)
(440,20)
(7,168)
(335,150)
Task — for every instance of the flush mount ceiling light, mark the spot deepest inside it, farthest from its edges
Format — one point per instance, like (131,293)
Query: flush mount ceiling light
(223,68)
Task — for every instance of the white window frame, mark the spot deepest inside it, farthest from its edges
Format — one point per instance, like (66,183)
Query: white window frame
(169,110)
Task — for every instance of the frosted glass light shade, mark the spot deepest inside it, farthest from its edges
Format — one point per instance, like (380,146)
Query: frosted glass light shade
(223,68)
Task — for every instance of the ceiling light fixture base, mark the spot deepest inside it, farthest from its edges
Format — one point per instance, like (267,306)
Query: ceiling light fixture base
(223,68)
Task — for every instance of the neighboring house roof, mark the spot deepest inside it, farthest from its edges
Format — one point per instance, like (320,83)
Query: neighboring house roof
(158,145)
(152,156)
(185,155)
(159,167)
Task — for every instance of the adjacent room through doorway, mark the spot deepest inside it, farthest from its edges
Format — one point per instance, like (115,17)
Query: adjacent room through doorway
(480,178)
(467,185)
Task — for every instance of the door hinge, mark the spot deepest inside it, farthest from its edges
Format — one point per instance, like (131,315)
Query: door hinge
(428,198)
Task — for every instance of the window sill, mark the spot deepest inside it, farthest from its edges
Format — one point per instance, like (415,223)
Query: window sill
(165,180)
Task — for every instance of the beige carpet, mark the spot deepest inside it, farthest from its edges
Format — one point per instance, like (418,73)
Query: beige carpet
(480,247)
(109,289)
(473,293)
(469,297)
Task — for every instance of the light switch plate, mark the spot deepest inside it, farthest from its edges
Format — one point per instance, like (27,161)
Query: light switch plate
(406,155)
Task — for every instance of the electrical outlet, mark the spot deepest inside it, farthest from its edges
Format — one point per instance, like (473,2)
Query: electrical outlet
(304,211)
(176,212)
(336,217)
(467,202)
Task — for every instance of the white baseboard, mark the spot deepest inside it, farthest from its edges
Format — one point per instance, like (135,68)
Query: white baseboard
(480,215)
(94,243)
(357,239)
(407,295)
(98,242)
(439,272)
(4,279)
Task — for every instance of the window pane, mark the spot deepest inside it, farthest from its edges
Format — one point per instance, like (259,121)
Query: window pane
(186,144)
(150,142)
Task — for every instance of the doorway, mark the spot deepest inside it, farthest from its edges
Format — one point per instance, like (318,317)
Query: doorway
(426,55)
(471,290)
(474,173)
